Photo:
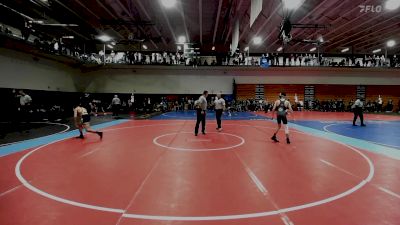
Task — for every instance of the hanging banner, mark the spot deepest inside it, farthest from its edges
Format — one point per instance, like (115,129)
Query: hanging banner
(235,37)
(255,9)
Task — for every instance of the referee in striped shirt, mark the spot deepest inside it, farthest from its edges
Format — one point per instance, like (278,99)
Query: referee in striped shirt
(201,109)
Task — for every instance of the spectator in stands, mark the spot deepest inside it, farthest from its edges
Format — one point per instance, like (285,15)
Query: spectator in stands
(389,106)
(398,105)
(368,106)
(380,103)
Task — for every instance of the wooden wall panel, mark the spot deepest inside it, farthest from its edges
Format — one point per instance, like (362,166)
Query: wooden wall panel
(331,92)
(387,92)
(323,92)
(246,91)
(272,91)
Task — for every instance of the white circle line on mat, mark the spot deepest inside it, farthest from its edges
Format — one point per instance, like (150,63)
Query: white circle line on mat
(155,141)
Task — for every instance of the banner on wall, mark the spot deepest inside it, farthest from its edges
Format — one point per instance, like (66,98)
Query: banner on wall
(309,93)
(360,91)
(259,92)
(264,62)
(235,37)
(255,9)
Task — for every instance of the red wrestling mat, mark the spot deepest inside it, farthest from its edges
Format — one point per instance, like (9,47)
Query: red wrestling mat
(158,172)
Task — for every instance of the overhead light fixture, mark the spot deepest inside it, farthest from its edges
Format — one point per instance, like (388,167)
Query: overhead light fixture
(392,4)
(246,49)
(144,47)
(279,49)
(168,3)
(104,38)
(60,24)
(68,37)
(181,39)
(313,49)
(113,43)
(345,50)
(377,50)
(110,46)
(213,48)
(257,40)
(321,39)
(390,43)
(292,4)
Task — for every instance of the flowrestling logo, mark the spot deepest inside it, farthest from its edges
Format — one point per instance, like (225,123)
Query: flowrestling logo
(370,8)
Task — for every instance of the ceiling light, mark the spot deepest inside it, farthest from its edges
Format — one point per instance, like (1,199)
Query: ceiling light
(144,47)
(321,39)
(113,43)
(110,46)
(279,49)
(68,37)
(292,4)
(313,49)
(377,50)
(257,40)
(104,38)
(168,3)
(213,48)
(60,24)
(246,49)
(181,39)
(345,50)
(390,43)
(392,4)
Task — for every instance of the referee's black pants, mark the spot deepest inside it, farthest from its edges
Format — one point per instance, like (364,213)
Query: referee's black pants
(358,113)
(218,114)
(201,117)
(115,109)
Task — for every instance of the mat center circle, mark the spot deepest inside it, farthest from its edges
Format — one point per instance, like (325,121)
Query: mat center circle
(187,141)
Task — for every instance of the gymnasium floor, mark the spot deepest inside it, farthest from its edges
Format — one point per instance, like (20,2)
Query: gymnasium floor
(157,172)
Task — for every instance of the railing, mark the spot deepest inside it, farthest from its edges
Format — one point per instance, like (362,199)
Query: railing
(176,59)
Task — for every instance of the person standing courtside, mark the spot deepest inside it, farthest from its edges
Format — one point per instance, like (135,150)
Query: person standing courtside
(358,111)
(282,106)
(25,105)
(115,105)
(219,104)
(201,113)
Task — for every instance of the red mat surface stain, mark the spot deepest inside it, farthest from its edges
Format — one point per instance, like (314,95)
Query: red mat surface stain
(128,171)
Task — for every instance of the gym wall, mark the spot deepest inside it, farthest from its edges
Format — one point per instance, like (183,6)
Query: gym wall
(18,69)
(24,71)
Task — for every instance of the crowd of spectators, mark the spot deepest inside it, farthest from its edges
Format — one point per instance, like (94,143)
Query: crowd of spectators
(66,48)
(334,105)
(23,107)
